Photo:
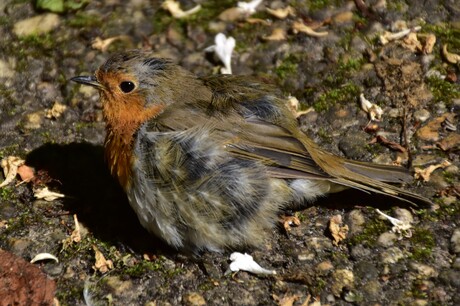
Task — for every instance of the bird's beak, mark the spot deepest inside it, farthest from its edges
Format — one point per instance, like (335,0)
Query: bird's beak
(87,80)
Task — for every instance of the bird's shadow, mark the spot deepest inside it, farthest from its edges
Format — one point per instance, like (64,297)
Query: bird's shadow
(79,172)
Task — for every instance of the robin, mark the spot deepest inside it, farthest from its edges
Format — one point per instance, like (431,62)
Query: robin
(207,163)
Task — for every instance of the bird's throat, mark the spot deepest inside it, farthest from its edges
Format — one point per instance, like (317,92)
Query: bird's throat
(121,130)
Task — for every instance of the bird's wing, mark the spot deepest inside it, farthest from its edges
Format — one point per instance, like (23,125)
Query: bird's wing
(252,123)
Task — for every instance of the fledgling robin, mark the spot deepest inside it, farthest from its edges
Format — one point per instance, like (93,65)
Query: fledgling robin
(208,162)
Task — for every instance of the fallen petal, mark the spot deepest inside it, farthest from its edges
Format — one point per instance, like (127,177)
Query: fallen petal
(245,262)
(174,8)
(249,7)
(375,112)
(44,256)
(46,194)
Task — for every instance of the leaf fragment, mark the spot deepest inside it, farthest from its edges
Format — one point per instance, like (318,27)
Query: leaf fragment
(10,167)
(299,26)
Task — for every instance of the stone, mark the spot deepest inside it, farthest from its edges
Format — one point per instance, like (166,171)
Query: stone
(40,24)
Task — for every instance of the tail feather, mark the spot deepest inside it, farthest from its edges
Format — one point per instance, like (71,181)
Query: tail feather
(383,173)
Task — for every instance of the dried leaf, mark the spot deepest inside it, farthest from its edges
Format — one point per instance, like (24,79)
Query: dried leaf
(289,221)
(56,111)
(390,144)
(429,132)
(174,8)
(338,232)
(76,235)
(286,300)
(412,43)
(26,173)
(23,283)
(46,194)
(430,41)
(452,141)
(278,34)
(10,167)
(258,21)
(282,13)
(232,14)
(103,44)
(450,57)
(299,26)
(307,300)
(386,37)
(102,265)
(426,173)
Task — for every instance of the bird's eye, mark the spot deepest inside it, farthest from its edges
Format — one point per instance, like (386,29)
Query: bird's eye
(127,86)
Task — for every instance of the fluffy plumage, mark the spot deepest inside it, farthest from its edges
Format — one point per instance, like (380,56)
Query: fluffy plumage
(207,163)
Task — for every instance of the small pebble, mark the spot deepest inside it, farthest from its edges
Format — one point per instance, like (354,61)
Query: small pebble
(391,255)
(355,220)
(387,239)
(422,115)
(455,241)
(37,25)
(341,279)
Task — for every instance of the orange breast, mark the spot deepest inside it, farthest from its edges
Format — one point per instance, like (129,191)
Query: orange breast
(119,158)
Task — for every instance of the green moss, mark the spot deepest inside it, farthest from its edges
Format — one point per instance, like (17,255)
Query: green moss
(344,94)
(9,150)
(69,292)
(174,272)
(206,286)
(288,66)
(445,212)
(318,286)
(84,20)
(211,9)
(445,33)
(450,177)
(417,292)
(44,41)
(423,242)
(315,5)
(325,135)
(396,5)
(7,193)
(371,231)
(143,267)
(4,21)
(427,215)
(443,90)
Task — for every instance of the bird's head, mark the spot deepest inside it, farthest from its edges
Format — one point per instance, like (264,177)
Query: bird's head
(135,86)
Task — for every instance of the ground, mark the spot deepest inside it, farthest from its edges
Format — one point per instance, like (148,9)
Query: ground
(56,126)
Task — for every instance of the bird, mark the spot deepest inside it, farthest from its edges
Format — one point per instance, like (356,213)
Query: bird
(208,163)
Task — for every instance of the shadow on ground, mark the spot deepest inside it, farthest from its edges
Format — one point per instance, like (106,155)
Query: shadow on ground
(78,170)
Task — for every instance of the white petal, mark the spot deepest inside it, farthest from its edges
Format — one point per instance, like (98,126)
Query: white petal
(44,256)
(245,262)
